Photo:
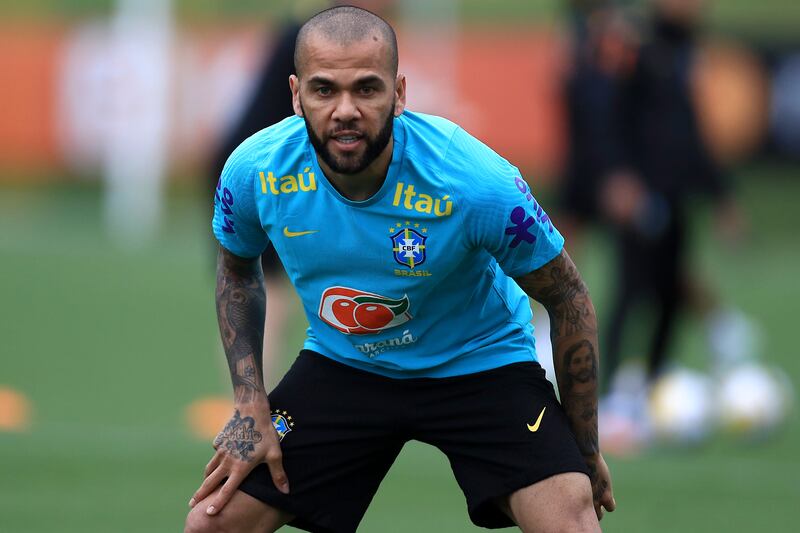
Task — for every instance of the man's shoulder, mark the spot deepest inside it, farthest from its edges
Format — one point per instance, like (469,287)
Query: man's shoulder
(423,123)
(462,156)
(427,136)
(284,140)
(289,132)
(471,169)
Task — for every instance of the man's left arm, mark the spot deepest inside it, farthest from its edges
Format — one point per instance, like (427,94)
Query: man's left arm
(573,327)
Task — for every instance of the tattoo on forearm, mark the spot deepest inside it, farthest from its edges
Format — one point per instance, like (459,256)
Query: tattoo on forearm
(562,288)
(573,329)
(246,380)
(241,305)
(239,437)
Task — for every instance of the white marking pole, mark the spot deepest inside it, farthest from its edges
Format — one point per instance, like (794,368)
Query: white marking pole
(432,82)
(136,147)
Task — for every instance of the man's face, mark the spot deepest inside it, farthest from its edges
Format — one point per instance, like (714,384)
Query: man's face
(348,96)
(581,365)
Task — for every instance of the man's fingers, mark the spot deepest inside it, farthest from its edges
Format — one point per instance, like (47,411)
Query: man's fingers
(606,502)
(274,461)
(598,509)
(210,483)
(609,502)
(225,493)
(213,464)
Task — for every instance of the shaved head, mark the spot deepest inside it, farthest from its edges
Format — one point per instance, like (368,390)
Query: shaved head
(345,25)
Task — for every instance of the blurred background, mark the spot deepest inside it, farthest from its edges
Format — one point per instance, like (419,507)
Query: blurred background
(655,132)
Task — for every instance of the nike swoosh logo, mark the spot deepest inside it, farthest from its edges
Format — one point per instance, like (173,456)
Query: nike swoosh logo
(535,427)
(291,234)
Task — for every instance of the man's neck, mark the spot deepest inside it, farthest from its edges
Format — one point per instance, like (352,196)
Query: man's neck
(364,184)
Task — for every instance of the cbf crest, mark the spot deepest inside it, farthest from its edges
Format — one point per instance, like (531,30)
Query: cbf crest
(282,422)
(408,244)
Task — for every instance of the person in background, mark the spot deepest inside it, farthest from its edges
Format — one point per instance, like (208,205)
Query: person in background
(664,161)
(602,48)
(269,102)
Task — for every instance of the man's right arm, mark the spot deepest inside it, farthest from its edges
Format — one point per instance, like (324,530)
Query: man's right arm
(249,437)
(241,306)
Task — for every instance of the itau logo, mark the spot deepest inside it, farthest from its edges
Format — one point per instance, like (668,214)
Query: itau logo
(356,312)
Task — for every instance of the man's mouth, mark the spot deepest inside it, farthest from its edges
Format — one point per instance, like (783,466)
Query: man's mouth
(347,139)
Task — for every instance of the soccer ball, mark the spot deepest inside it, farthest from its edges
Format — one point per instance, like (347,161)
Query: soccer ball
(753,400)
(682,407)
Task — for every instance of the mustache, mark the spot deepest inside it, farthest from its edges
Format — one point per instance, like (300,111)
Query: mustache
(348,127)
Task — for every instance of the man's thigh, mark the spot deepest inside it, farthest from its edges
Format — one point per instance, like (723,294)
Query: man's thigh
(339,437)
(559,503)
(243,513)
(502,430)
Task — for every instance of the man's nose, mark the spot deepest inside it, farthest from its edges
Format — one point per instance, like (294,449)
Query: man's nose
(346,108)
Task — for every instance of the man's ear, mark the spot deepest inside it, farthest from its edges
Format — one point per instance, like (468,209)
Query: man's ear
(294,86)
(400,95)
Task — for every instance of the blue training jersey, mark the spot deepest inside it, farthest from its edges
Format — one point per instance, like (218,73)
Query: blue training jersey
(415,281)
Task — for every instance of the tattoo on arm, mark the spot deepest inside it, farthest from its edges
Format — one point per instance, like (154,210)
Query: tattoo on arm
(573,330)
(241,304)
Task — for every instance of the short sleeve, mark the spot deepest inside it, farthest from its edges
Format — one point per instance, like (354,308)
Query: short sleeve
(502,215)
(236,223)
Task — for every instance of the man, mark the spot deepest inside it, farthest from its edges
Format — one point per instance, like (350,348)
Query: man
(402,234)
(648,197)
(601,50)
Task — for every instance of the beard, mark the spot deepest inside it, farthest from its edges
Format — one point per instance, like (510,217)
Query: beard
(351,163)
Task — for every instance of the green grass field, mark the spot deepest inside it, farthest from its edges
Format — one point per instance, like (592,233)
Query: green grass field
(110,345)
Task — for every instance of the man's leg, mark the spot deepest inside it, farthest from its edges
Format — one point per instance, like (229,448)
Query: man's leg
(334,465)
(243,513)
(559,503)
(505,433)
(629,287)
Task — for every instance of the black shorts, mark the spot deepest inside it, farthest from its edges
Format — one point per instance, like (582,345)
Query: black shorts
(342,429)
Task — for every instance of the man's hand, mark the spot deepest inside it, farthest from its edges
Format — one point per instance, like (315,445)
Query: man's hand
(602,493)
(731,222)
(622,198)
(243,443)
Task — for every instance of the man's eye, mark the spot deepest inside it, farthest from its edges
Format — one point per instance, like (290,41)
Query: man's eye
(324,91)
(367,91)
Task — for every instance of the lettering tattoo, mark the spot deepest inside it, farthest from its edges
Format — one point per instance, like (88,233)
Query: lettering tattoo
(239,437)
(573,330)
(241,304)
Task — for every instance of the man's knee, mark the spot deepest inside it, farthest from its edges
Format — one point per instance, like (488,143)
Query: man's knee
(580,517)
(199,522)
(241,515)
(562,503)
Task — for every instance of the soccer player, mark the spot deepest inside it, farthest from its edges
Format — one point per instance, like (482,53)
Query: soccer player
(412,246)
